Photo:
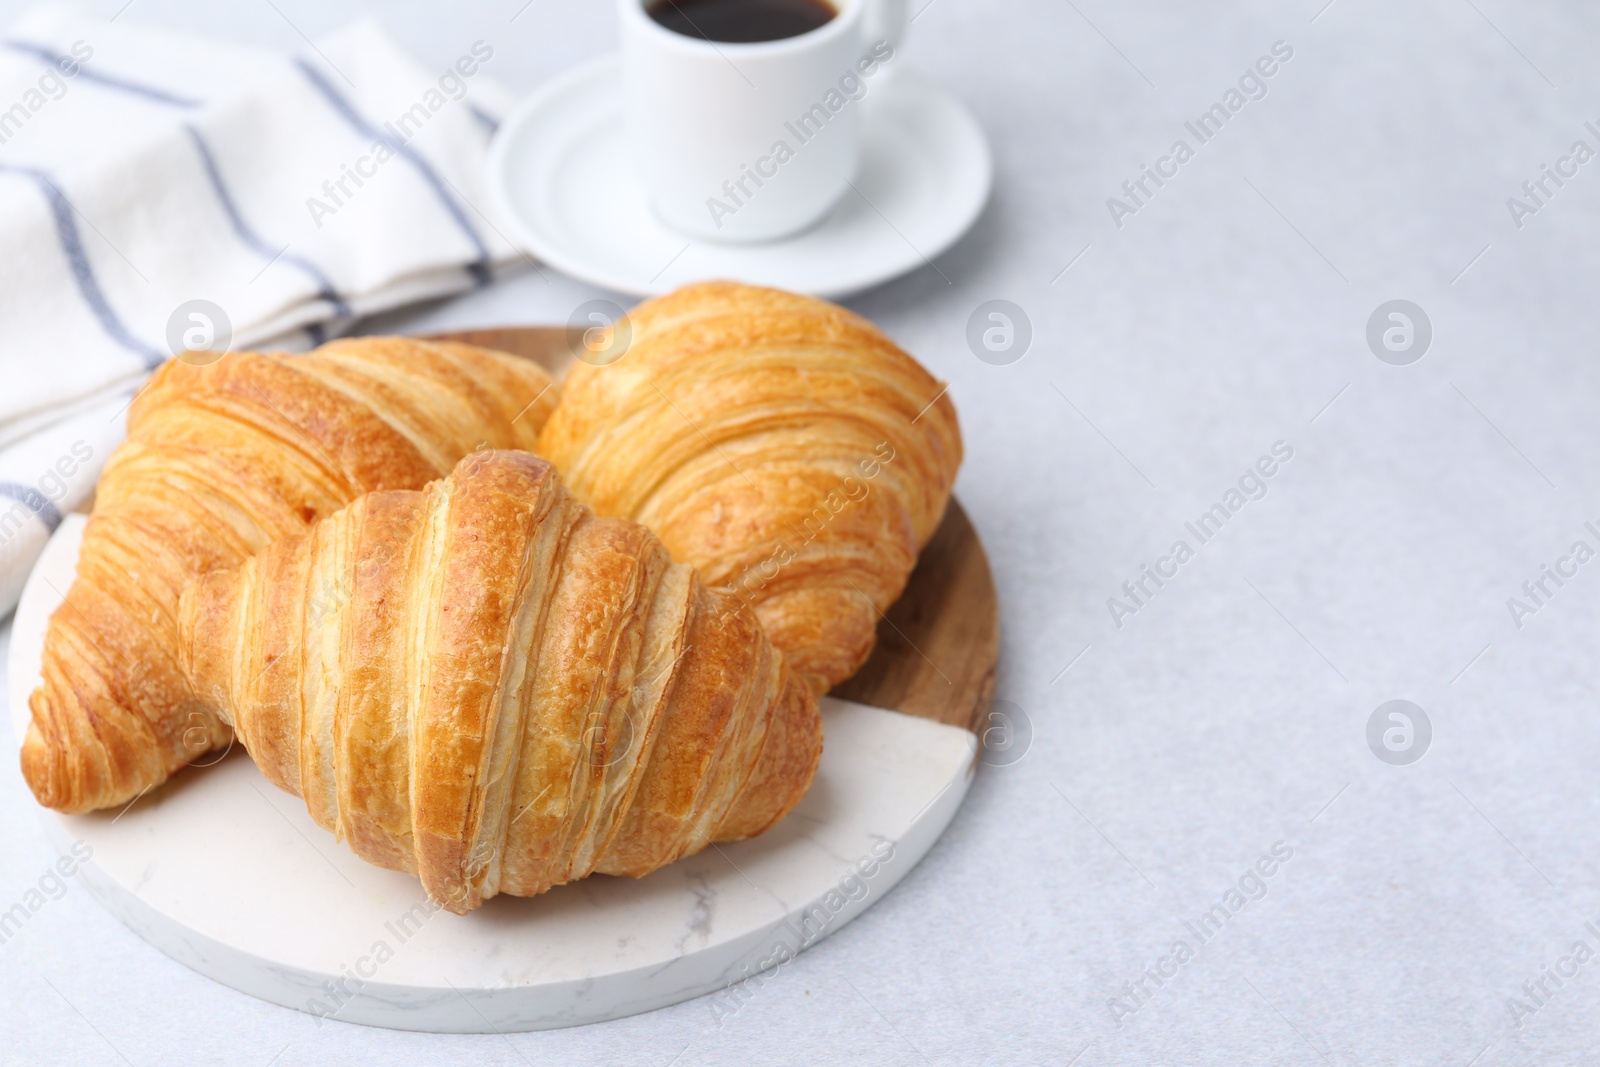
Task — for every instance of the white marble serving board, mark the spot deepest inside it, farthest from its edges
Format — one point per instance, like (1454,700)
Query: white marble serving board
(229,875)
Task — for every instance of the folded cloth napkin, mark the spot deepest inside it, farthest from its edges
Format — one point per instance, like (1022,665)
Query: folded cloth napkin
(159,191)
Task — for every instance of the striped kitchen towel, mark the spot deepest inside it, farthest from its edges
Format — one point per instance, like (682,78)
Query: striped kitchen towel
(159,191)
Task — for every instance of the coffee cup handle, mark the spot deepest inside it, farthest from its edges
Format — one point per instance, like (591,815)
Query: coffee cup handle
(886,21)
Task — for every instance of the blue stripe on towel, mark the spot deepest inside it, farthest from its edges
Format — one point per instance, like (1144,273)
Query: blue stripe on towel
(60,61)
(35,502)
(325,290)
(479,269)
(486,120)
(82,270)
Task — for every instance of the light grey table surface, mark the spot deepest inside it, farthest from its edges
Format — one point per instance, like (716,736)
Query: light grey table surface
(1230,711)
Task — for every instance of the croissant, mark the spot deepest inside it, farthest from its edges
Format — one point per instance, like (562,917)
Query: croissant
(781,444)
(219,461)
(486,685)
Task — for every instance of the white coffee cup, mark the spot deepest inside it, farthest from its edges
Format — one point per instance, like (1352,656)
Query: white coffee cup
(752,142)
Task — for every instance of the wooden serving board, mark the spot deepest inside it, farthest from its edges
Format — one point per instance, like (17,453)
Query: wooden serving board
(232,878)
(938,644)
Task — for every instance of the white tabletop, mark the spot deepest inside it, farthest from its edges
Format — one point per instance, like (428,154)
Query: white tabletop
(1229,711)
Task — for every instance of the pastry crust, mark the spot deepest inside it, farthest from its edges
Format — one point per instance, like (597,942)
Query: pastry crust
(508,693)
(781,444)
(219,461)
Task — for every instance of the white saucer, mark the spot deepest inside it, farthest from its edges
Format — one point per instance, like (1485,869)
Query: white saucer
(563,179)
(228,875)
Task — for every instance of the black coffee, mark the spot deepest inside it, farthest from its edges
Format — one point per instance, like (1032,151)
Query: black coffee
(741,21)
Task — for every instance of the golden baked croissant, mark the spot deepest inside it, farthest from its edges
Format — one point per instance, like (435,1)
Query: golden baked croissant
(782,445)
(486,685)
(219,461)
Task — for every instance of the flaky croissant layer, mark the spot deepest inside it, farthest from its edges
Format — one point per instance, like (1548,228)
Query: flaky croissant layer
(486,685)
(781,444)
(220,460)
